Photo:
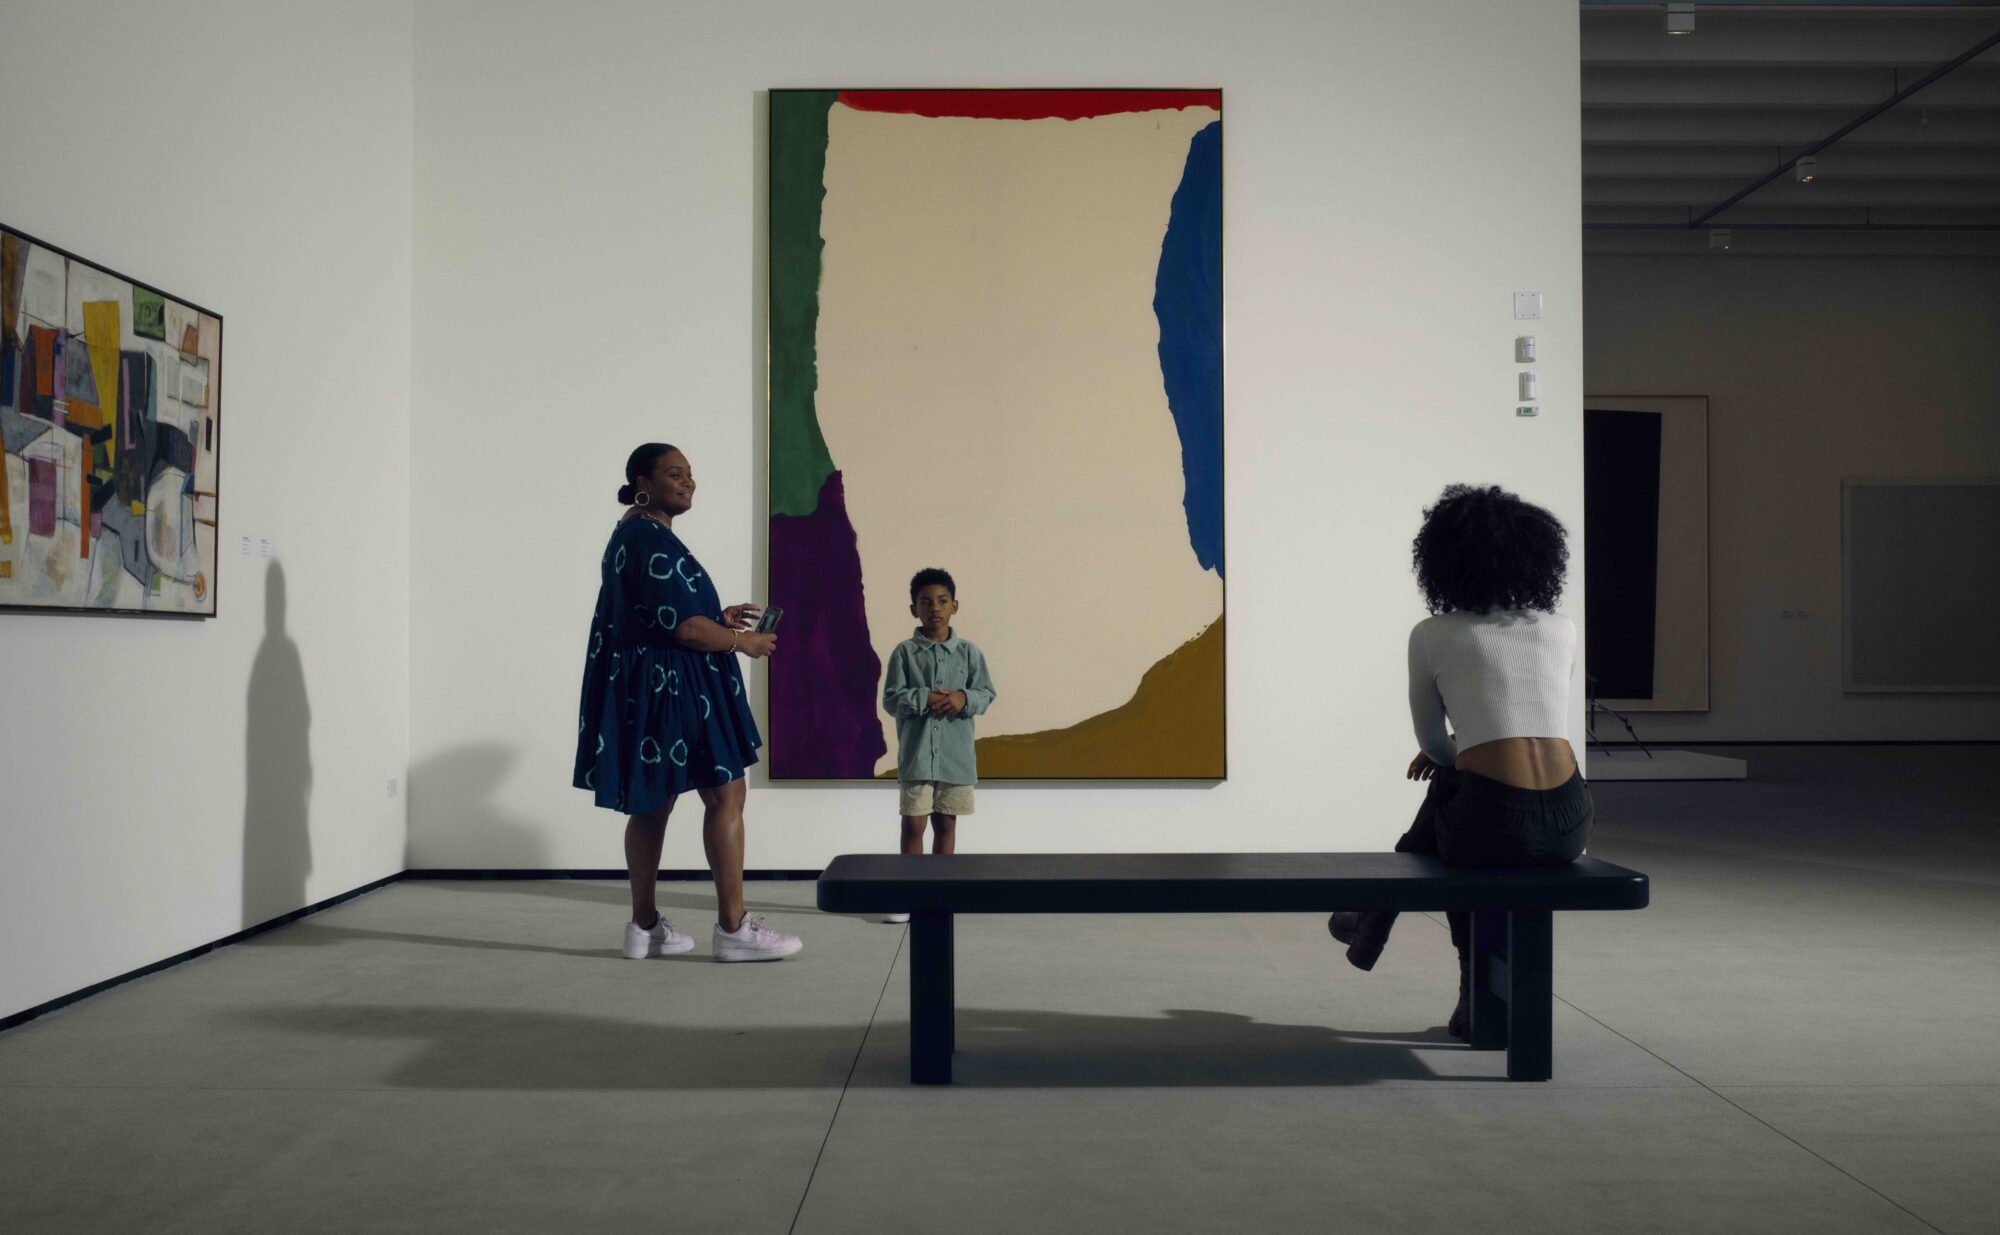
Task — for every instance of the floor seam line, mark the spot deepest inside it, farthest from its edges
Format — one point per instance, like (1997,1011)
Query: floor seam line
(862,1046)
(1725,1099)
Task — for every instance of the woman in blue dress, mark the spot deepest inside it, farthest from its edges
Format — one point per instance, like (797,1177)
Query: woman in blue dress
(664,708)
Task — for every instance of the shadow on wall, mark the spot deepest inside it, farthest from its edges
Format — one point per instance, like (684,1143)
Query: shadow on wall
(459,820)
(277,746)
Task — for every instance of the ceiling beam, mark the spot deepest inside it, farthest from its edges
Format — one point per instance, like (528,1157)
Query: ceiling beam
(1842,164)
(1672,215)
(1854,38)
(1914,125)
(1849,89)
(1689,191)
(1594,6)
(1926,82)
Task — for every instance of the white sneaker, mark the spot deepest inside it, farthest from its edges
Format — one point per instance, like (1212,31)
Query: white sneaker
(753,941)
(893,918)
(662,940)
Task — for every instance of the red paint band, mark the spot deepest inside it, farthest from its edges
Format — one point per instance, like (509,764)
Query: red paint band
(1027,104)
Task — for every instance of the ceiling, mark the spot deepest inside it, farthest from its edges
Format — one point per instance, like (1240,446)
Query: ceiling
(1674,126)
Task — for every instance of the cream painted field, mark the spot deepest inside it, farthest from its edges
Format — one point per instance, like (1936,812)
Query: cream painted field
(989,384)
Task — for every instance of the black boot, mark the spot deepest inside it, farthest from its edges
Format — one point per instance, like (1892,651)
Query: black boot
(1460,1024)
(1363,933)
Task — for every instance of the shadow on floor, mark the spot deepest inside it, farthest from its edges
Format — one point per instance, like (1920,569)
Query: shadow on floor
(699,905)
(493,1049)
(1184,1048)
(319,935)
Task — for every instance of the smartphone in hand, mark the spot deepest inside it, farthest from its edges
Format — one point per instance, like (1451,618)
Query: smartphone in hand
(768,621)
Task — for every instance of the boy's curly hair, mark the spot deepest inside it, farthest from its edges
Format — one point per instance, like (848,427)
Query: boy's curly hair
(927,576)
(1483,548)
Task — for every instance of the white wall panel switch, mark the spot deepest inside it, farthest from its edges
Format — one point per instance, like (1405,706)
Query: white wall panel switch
(1524,349)
(1530,386)
(1527,305)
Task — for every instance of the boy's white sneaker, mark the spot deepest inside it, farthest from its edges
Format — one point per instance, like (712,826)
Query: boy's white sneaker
(893,918)
(661,940)
(754,941)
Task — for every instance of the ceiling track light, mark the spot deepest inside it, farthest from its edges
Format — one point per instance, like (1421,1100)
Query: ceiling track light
(1806,169)
(1680,17)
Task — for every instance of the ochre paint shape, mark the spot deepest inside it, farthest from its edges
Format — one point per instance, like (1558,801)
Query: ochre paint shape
(1027,104)
(102,332)
(1173,727)
(12,266)
(86,415)
(43,340)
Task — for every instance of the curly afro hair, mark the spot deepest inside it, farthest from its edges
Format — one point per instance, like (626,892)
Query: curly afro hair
(1482,549)
(927,576)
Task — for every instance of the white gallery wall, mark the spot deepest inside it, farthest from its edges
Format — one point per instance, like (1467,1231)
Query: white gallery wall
(163,783)
(590,274)
(1816,368)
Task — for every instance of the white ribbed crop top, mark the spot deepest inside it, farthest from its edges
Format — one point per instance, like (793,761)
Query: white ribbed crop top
(1497,675)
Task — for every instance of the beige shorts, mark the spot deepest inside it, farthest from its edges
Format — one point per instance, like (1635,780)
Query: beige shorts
(926,797)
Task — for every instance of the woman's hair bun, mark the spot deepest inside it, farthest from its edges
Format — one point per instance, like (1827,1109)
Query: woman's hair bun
(625,493)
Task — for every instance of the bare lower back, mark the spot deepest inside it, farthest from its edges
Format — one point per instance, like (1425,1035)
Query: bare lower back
(1525,763)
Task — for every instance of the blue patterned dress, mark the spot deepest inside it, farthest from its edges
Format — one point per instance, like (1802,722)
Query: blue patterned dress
(657,719)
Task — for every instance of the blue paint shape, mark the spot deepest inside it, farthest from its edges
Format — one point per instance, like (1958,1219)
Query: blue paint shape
(1187,299)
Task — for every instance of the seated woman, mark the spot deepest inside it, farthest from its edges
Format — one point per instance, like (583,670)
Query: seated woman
(1495,659)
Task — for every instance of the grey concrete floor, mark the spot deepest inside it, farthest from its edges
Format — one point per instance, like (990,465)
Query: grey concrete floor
(1796,1036)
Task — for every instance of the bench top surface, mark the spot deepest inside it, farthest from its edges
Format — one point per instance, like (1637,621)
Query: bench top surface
(1213,882)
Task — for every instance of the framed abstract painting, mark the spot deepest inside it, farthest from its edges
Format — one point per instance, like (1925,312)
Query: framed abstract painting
(110,417)
(996,348)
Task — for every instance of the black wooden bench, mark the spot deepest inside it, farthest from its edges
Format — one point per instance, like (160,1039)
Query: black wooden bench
(1512,992)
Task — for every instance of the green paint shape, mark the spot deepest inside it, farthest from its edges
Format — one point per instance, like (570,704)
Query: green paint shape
(149,314)
(800,461)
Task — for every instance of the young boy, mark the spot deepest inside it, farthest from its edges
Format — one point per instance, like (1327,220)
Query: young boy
(936,683)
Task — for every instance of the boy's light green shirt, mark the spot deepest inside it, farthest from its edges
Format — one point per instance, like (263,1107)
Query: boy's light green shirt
(931,747)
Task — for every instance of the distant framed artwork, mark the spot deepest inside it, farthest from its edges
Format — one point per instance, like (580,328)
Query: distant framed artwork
(1645,547)
(996,348)
(1918,586)
(110,417)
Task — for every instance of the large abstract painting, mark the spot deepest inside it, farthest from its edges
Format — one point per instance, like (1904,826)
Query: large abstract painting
(996,348)
(110,407)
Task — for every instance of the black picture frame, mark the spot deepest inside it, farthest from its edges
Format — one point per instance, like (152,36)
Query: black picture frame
(212,429)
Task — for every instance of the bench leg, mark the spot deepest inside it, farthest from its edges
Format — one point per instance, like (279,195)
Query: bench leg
(932,999)
(1489,981)
(1530,996)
